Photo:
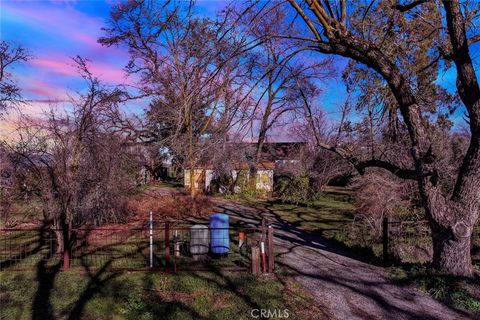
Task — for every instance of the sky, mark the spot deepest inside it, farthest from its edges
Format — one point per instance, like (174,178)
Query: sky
(54,31)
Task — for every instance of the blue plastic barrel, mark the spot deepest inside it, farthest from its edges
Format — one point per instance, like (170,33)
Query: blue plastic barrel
(219,236)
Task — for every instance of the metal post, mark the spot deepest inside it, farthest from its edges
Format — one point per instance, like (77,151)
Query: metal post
(176,246)
(176,250)
(264,259)
(264,233)
(151,239)
(167,247)
(385,238)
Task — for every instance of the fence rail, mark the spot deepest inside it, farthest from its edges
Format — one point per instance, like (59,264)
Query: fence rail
(402,233)
(157,245)
(410,234)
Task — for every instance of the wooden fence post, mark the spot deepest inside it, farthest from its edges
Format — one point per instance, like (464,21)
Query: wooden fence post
(167,247)
(66,249)
(66,258)
(255,260)
(271,253)
(263,230)
(385,239)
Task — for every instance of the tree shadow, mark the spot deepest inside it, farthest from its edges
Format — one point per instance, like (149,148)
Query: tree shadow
(39,242)
(101,281)
(383,293)
(45,277)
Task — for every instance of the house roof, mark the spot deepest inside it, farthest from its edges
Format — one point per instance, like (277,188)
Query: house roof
(240,166)
(272,151)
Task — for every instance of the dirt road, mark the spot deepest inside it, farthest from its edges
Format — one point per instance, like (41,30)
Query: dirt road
(348,288)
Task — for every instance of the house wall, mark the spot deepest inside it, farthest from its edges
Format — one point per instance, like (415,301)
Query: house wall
(208,178)
(264,180)
(204,177)
(199,179)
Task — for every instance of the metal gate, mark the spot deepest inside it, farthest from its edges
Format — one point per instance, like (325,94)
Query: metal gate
(156,245)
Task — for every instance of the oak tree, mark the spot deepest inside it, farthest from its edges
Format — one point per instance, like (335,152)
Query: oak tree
(387,37)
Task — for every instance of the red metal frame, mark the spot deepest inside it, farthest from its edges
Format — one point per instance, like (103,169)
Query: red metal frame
(112,246)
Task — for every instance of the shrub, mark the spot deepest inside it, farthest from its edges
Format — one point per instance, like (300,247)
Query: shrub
(294,189)
(175,205)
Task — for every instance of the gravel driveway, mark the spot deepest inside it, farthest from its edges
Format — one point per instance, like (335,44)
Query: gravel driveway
(346,287)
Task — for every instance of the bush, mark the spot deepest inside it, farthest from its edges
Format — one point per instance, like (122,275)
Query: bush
(294,189)
(175,205)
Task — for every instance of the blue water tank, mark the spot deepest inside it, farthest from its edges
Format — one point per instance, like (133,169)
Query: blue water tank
(219,233)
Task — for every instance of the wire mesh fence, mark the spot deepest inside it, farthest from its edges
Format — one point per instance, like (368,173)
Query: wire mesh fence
(157,245)
(411,241)
(407,241)
(391,239)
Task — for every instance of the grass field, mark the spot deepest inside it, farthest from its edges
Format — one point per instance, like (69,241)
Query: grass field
(331,215)
(86,294)
(146,295)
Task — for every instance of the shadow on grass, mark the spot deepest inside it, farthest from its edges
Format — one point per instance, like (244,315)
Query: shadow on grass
(41,307)
(461,293)
(28,249)
(99,283)
(390,296)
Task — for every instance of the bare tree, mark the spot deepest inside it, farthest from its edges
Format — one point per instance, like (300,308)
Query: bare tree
(188,67)
(320,165)
(402,43)
(7,183)
(79,169)
(9,91)
(277,71)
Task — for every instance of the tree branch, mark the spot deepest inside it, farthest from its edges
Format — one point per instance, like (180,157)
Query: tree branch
(399,172)
(409,6)
(360,166)
(306,19)
(474,39)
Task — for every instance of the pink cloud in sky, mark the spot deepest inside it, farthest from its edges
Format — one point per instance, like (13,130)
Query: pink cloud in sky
(36,111)
(57,20)
(57,66)
(67,24)
(43,90)
(112,74)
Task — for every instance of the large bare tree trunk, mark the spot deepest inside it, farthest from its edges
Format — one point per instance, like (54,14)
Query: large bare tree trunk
(60,241)
(62,232)
(451,226)
(452,217)
(451,254)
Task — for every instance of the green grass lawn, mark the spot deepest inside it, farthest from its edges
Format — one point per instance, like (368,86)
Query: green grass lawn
(326,214)
(331,215)
(148,295)
(459,293)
